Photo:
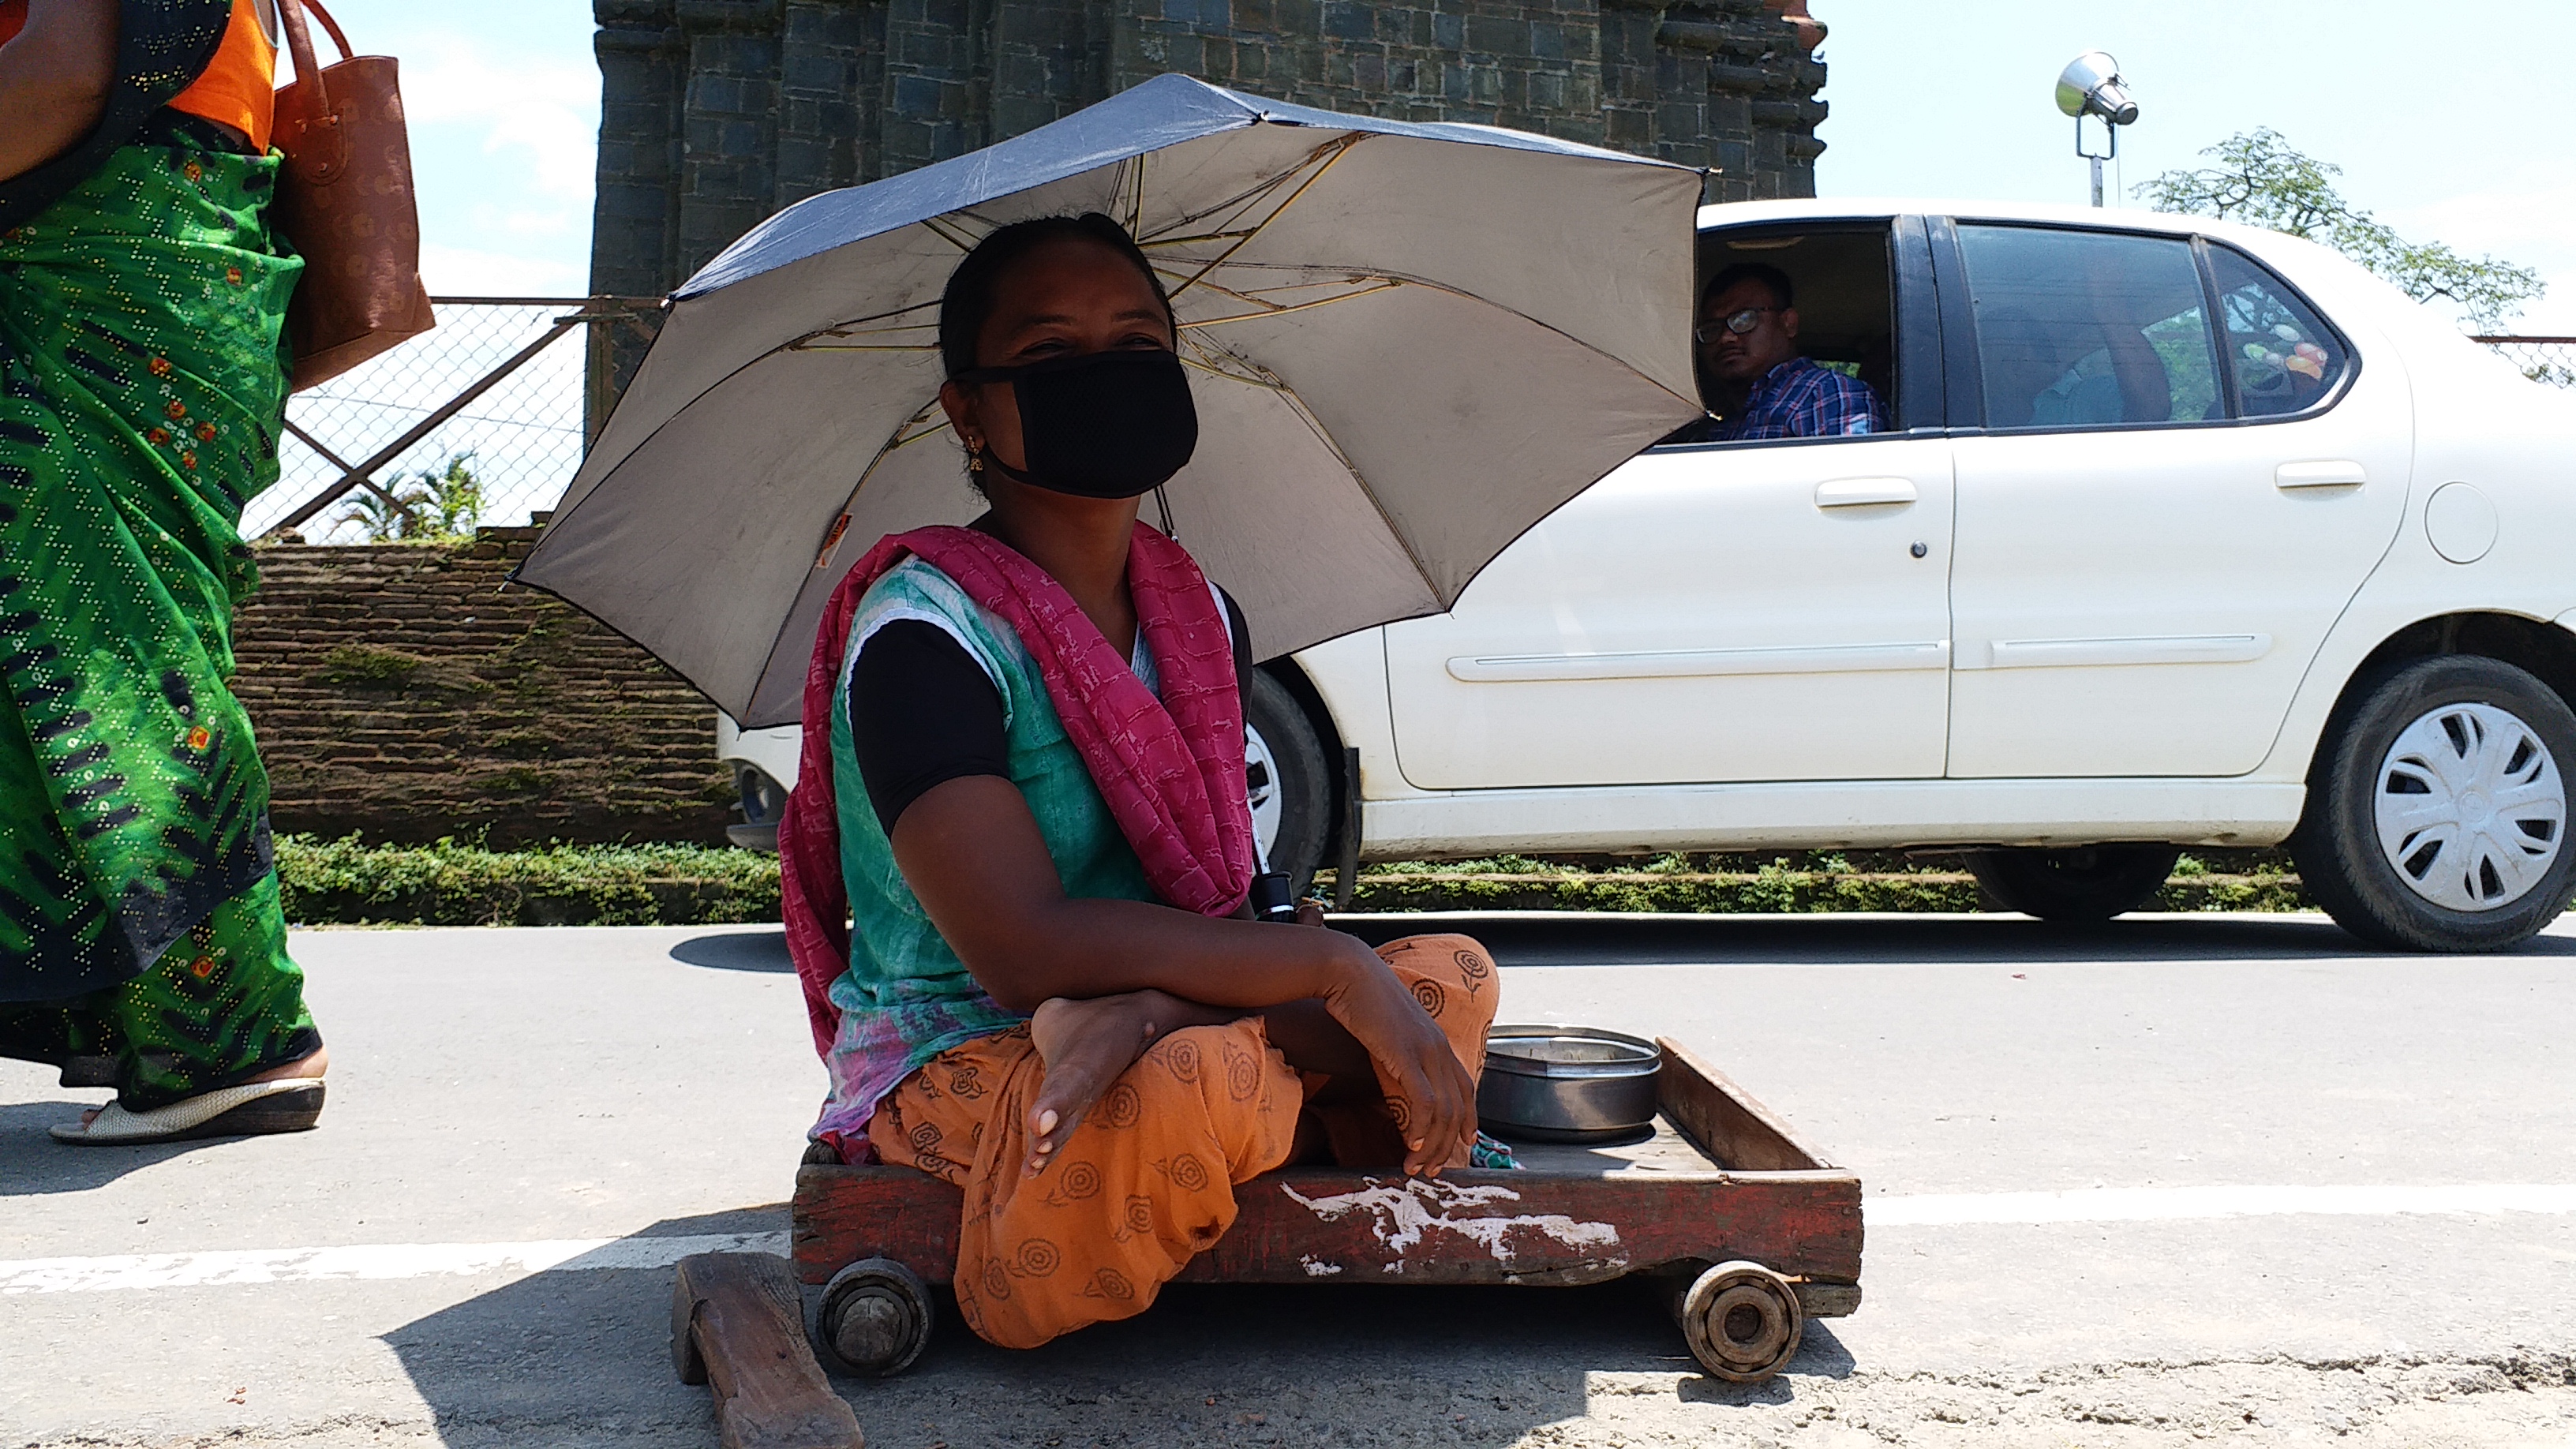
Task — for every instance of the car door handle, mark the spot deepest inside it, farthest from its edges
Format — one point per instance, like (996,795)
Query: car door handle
(2336,473)
(1861,492)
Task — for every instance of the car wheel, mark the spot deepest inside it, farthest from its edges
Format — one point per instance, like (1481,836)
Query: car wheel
(763,801)
(1292,794)
(2087,883)
(2437,815)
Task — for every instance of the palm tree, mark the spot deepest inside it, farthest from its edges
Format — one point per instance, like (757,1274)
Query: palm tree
(386,518)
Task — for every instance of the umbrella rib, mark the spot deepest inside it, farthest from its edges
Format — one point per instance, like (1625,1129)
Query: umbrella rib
(1282,311)
(1182,241)
(1341,149)
(1253,296)
(854,324)
(1248,195)
(931,224)
(1297,407)
(1465,295)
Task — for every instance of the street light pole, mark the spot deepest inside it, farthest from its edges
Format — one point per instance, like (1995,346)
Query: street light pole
(2111,149)
(2091,86)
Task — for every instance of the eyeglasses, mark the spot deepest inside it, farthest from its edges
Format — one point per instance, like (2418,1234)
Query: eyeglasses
(1739,323)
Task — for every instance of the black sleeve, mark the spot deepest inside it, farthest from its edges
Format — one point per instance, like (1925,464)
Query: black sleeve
(1241,633)
(922,712)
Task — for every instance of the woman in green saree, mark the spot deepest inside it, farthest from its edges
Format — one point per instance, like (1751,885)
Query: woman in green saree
(142,390)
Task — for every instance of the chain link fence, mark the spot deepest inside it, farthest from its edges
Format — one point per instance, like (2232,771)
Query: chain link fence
(2542,359)
(480,422)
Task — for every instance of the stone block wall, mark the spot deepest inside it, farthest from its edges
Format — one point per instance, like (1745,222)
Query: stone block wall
(717,113)
(403,693)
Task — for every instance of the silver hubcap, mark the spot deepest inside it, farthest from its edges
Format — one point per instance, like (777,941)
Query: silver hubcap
(2470,807)
(1261,783)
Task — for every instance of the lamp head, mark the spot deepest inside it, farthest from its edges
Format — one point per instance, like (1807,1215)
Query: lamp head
(2091,83)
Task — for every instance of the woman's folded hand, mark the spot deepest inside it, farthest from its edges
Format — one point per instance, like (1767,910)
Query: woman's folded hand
(1427,1090)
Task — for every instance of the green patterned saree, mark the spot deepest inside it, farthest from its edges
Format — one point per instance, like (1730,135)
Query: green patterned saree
(142,390)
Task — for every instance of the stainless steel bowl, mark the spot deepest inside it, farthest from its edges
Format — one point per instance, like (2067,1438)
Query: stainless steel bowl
(1566,1083)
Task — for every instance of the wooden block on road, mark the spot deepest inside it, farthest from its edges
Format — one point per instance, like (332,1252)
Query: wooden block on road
(738,1327)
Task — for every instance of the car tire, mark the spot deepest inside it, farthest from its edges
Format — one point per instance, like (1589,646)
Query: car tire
(2086,883)
(1288,781)
(2402,843)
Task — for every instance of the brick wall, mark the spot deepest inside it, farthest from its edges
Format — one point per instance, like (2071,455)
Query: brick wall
(717,113)
(402,692)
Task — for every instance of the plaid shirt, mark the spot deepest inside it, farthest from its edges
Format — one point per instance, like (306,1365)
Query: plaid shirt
(1798,399)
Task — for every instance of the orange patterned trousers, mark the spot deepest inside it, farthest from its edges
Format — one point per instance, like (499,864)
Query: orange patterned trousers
(1147,1180)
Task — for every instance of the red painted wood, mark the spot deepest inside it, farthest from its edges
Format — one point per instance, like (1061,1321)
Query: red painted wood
(1531,1227)
(1305,1225)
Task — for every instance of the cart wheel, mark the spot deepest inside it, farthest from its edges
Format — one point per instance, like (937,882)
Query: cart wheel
(685,1359)
(875,1318)
(1742,1321)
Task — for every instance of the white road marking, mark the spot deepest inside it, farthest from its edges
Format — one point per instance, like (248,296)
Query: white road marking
(574,1255)
(2170,1204)
(379,1260)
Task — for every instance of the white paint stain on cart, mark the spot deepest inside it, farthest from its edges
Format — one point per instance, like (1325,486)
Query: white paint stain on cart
(1402,1213)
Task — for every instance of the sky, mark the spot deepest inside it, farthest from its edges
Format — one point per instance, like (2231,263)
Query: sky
(2447,128)
(2444,120)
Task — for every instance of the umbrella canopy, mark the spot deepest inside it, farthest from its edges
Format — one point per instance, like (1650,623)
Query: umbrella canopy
(1407,343)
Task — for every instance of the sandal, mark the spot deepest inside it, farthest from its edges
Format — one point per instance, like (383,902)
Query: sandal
(292,1104)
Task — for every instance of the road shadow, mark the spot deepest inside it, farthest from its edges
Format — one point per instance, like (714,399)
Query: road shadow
(1538,939)
(584,1357)
(33,1164)
(764,951)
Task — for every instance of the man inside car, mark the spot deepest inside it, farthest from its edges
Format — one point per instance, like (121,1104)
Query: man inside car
(1759,385)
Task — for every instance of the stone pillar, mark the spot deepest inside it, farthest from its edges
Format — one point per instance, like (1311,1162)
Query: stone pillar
(1049,61)
(1736,83)
(831,56)
(728,124)
(716,113)
(643,70)
(936,85)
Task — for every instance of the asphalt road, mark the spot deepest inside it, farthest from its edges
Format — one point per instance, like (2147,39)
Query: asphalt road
(2223,1177)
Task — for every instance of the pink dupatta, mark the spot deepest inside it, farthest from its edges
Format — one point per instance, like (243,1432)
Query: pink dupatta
(1171,769)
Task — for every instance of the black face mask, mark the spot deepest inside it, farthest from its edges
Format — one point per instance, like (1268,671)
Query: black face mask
(1102,425)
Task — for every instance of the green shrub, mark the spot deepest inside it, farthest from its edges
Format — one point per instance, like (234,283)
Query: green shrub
(1780,886)
(455,883)
(348,882)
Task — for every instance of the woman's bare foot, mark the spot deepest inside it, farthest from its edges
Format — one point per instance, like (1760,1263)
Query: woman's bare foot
(310,1066)
(1085,1046)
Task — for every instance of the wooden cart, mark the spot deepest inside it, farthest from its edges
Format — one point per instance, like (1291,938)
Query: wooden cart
(1754,1231)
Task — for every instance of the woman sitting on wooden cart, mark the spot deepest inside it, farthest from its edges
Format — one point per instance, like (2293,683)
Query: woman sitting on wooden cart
(1023,778)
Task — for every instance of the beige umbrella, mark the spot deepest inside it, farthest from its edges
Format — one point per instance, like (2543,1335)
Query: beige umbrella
(1408,343)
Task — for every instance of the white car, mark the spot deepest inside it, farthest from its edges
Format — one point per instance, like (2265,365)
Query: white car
(2116,581)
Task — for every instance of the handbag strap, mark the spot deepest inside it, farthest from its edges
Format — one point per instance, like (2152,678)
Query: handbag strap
(299,43)
(338,37)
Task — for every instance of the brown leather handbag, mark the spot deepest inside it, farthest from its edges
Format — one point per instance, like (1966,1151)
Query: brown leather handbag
(345,203)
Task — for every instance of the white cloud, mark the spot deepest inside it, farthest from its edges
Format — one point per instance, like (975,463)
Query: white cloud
(542,107)
(504,145)
(453,271)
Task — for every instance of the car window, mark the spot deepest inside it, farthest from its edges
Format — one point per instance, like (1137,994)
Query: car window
(2282,356)
(2083,329)
(1819,358)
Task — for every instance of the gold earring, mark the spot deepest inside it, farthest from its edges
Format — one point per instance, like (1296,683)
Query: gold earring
(974,457)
